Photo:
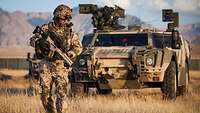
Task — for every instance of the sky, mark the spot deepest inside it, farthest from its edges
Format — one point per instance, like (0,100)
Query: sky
(148,10)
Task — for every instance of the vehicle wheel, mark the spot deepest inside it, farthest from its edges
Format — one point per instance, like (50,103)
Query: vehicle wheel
(77,89)
(104,90)
(169,87)
(34,88)
(31,91)
(186,86)
(184,89)
(86,88)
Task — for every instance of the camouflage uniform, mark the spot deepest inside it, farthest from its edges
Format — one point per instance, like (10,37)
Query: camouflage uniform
(53,69)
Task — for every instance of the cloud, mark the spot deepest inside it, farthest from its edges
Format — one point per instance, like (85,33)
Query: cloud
(158,4)
(183,6)
(134,4)
(122,3)
(189,6)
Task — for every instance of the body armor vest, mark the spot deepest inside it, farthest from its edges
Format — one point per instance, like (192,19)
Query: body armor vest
(61,37)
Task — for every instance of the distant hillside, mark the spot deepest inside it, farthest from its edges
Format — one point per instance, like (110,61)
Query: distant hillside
(191,32)
(16,27)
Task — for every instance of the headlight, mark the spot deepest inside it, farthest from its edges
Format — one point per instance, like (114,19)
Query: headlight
(149,61)
(82,62)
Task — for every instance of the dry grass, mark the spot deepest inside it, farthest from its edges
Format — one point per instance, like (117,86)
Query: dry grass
(14,82)
(139,101)
(15,73)
(20,104)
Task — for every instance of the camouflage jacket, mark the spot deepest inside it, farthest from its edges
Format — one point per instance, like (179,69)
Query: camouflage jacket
(67,41)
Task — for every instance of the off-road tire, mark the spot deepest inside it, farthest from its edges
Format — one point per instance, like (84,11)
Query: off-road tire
(104,91)
(186,85)
(169,88)
(184,89)
(77,89)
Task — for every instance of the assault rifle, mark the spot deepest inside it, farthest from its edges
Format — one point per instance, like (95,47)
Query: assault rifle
(54,49)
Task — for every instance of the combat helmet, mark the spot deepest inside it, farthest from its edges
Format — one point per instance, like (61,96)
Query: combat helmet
(62,11)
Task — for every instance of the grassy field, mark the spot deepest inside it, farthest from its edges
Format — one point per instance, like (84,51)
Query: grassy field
(137,101)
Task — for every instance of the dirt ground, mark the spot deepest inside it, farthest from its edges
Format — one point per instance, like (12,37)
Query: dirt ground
(120,101)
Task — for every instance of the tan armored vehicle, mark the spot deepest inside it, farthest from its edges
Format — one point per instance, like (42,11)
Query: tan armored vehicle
(118,59)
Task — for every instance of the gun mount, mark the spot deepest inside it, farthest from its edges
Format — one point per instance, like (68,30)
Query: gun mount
(168,15)
(103,18)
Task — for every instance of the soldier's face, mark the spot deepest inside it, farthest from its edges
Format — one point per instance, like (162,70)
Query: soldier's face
(59,22)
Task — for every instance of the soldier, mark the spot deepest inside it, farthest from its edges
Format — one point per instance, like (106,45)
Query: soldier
(53,70)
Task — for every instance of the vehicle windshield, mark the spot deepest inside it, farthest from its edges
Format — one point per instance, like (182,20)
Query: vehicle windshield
(161,40)
(140,39)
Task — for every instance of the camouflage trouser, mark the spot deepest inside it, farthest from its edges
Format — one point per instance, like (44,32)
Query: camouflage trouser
(53,73)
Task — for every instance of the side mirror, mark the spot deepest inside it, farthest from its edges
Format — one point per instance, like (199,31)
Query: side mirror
(176,40)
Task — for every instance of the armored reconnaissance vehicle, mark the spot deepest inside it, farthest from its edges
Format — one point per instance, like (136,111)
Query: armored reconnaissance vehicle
(141,58)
